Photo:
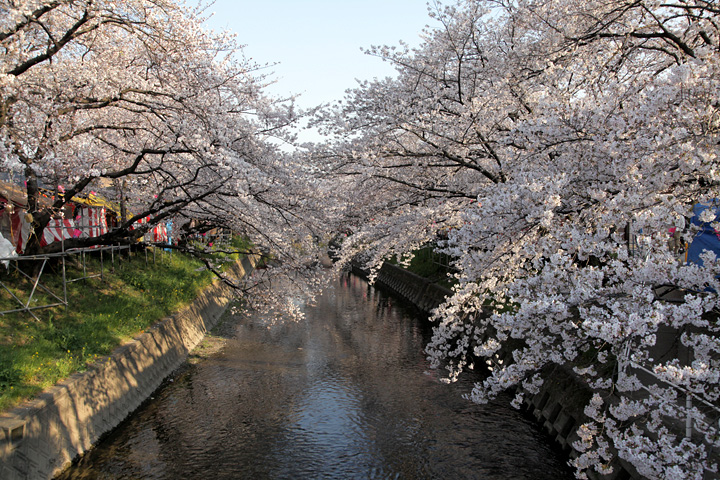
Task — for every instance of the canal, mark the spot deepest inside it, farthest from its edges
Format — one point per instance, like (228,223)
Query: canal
(345,393)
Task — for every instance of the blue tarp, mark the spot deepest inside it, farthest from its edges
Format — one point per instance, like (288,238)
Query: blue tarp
(707,238)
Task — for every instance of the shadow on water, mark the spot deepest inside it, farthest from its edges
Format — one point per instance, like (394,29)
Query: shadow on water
(345,393)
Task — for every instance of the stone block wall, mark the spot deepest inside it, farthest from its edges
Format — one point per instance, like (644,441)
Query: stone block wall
(423,294)
(41,437)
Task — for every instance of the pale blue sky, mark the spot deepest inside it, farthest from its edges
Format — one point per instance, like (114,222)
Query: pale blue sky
(317,42)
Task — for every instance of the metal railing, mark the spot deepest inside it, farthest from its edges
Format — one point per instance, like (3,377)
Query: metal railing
(55,298)
(691,415)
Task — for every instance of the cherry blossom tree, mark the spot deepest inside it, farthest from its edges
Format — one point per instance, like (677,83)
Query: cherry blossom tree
(136,101)
(549,135)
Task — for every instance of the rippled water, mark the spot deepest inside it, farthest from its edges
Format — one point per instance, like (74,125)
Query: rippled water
(346,393)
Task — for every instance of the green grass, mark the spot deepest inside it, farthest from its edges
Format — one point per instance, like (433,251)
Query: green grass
(101,314)
(422,264)
(241,244)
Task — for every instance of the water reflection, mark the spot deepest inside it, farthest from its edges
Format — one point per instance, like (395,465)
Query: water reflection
(346,393)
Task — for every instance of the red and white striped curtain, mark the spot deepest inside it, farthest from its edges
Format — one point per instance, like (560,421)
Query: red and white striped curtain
(57,229)
(160,233)
(91,222)
(20,228)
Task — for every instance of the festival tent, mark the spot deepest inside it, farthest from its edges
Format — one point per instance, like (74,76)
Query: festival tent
(83,217)
(159,233)
(57,230)
(20,228)
(94,215)
(138,224)
(90,222)
(15,222)
(93,200)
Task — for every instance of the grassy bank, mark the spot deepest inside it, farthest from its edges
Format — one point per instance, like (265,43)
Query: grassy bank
(425,265)
(136,291)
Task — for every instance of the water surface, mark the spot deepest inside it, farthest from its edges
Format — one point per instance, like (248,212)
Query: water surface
(344,394)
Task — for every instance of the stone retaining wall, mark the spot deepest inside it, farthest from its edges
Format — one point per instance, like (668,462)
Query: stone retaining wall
(422,293)
(41,437)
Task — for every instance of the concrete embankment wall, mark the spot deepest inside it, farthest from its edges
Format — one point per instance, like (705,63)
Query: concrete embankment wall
(41,437)
(559,405)
(422,293)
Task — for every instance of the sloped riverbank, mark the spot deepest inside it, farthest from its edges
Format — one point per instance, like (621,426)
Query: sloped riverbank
(43,436)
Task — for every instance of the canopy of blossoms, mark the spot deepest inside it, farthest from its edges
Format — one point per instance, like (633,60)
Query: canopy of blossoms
(556,150)
(132,100)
